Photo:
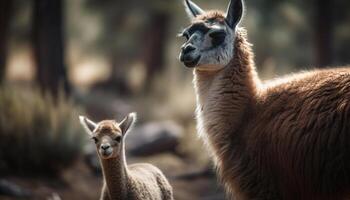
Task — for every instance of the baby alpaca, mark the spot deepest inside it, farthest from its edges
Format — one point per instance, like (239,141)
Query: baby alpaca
(134,182)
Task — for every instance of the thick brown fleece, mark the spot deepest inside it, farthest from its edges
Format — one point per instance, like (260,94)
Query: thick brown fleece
(288,138)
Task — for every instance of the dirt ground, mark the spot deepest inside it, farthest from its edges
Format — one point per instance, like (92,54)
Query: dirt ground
(79,182)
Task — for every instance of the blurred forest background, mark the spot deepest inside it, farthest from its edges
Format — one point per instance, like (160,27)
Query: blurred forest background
(59,59)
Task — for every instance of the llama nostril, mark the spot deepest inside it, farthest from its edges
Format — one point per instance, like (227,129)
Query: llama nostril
(188,49)
(105,146)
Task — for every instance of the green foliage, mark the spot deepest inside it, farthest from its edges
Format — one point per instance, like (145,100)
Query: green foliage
(37,133)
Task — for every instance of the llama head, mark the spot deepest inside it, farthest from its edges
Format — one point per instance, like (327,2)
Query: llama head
(210,38)
(108,135)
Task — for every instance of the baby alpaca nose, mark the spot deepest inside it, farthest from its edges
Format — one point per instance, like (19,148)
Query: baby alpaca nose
(105,146)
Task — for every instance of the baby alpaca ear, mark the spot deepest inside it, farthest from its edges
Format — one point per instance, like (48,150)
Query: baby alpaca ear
(88,125)
(127,122)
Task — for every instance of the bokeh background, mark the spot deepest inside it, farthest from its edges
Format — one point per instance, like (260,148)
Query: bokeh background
(104,59)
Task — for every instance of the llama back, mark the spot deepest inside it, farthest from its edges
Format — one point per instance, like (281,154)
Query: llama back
(302,127)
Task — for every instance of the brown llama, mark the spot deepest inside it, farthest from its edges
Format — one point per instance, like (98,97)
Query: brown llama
(287,138)
(120,181)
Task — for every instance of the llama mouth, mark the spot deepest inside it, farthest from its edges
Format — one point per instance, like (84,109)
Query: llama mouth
(193,63)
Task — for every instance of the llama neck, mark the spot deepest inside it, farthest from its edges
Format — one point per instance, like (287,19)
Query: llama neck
(115,174)
(224,97)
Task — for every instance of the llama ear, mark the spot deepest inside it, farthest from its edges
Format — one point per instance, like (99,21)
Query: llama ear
(192,9)
(88,125)
(127,122)
(234,13)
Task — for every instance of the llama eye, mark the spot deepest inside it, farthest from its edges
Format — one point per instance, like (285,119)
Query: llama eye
(118,138)
(186,35)
(94,139)
(218,37)
(183,34)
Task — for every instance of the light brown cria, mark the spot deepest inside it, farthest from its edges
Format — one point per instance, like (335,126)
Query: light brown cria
(288,138)
(129,182)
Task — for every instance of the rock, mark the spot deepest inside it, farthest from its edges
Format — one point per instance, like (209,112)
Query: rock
(11,189)
(153,138)
(207,172)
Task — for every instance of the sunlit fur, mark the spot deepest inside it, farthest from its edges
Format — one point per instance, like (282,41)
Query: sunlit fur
(287,138)
(121,182)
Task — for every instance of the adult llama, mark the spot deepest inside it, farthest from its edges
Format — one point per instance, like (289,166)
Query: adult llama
(288,138)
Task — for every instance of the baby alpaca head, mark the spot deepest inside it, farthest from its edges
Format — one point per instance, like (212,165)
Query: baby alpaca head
(108,135)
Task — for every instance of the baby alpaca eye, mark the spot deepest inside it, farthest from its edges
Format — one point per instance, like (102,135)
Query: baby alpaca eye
(118,138)
(95,139)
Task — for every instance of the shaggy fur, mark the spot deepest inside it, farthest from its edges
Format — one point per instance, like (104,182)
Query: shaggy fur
(133,182)
(284,139)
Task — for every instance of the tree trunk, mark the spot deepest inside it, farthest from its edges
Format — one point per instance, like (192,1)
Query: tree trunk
(5,15)
(118,59)
(154,46)
(48,42)
(323,32)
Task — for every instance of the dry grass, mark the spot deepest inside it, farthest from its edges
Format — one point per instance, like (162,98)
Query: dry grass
(37,134)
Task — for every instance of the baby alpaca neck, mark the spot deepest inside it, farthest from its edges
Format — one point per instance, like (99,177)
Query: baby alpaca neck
(115,175)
